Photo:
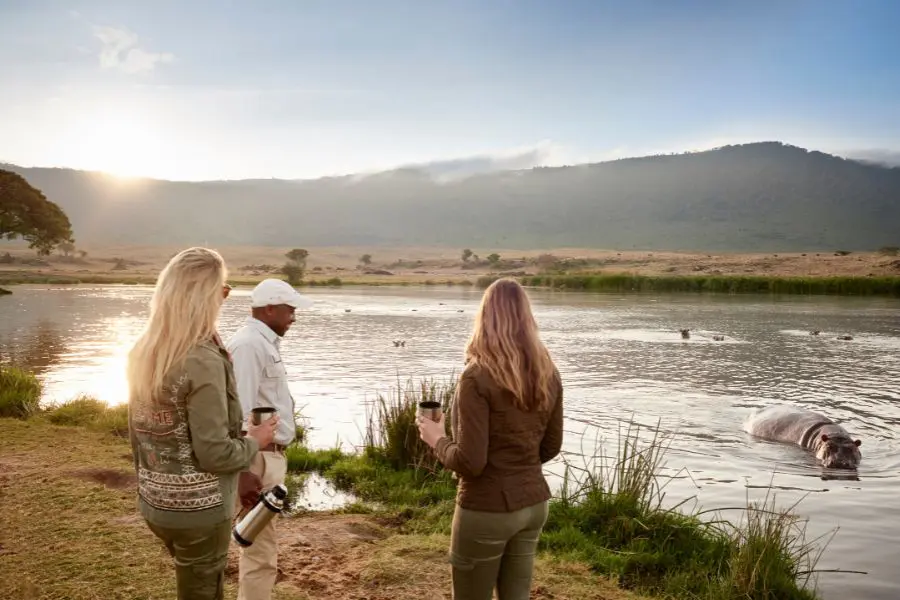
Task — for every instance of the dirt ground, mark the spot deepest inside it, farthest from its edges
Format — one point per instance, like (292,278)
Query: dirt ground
(439,264)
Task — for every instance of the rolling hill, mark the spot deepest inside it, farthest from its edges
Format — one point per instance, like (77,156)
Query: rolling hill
(764,196)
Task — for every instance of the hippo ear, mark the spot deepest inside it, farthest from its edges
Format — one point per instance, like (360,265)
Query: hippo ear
(857,442)
(824,437)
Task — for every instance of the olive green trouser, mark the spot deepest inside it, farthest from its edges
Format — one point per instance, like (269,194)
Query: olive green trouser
(495,550)
(200,557)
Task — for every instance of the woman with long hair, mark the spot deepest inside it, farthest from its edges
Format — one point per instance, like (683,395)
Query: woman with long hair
(506,422)
(185,423)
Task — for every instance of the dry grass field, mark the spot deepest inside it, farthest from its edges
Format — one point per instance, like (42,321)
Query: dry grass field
(436,264)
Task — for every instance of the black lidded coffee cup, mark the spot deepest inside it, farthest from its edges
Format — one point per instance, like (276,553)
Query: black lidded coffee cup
(262,413)
(431,410)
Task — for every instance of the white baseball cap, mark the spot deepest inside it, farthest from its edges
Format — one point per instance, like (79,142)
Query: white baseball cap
(272,292)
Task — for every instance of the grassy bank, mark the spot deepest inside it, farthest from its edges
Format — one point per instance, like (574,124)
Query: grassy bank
(724,284)
(609,515)
(69,529)
(69,526)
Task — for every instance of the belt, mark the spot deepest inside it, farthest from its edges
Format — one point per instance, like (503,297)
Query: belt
(279,448)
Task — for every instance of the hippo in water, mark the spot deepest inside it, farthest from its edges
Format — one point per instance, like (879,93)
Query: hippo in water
(830,442)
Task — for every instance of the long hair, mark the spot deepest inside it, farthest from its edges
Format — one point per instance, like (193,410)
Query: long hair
(183,312)
(506,344)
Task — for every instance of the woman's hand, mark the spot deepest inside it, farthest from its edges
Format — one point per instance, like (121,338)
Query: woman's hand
(431,431)
(263,433)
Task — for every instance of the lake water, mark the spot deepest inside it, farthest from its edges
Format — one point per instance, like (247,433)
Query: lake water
(619,355)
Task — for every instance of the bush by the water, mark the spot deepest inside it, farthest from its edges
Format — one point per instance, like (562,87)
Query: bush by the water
(20,393)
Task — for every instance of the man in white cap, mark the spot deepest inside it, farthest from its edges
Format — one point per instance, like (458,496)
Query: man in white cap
(262,381)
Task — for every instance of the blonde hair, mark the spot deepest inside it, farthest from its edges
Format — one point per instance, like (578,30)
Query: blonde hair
(506,344)
(183,312)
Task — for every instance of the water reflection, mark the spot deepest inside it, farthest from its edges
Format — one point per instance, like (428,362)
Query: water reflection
(39,349)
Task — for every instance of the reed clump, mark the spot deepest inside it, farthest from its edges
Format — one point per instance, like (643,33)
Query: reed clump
(612,515)
(391,435)
(720,284)
(20,393)
(86,411)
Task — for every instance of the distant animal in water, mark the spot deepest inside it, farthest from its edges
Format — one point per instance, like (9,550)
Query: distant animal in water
(346,310)
(719,338)
(845,338)
(815,332)
(460,310)
(685,334)
(399,343)
(830,442)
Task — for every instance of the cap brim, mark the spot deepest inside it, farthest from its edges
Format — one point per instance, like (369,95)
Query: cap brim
(301,302)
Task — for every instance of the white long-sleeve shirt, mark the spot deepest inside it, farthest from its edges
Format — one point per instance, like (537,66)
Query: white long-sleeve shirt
(261,377)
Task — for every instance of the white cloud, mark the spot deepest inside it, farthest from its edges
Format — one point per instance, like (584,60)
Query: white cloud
(121,51)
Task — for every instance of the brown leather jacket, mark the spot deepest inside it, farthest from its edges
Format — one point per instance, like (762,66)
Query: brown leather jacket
(497,449)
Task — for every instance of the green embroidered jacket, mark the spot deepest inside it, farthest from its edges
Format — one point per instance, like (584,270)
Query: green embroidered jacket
(187,443)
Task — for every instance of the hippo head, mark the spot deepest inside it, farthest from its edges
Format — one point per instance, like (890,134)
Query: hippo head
(839,451)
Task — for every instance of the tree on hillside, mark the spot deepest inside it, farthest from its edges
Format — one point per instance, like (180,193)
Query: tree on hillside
(366,259)
(25,213)
(466,255)
(493,258)
(295,267)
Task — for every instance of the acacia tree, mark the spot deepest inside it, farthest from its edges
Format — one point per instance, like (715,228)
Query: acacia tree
(27,214)
(366,259)
(295,267)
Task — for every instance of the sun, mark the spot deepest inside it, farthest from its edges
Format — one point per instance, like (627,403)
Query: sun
(116,143)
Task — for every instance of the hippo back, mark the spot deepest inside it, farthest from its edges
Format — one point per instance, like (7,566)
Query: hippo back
(786,424)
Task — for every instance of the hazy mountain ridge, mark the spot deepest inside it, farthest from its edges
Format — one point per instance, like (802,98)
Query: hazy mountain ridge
(764,196)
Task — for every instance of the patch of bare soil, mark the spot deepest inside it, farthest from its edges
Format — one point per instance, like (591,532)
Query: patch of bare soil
(315,554)
(111,478)
(353,557)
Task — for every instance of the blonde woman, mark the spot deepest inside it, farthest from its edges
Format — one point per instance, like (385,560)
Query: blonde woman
(185,421)
(506,422)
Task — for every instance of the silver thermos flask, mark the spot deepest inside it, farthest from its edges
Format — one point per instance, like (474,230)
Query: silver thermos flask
(270,504)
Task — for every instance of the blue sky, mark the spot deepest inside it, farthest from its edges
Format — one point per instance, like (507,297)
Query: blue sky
(227,89)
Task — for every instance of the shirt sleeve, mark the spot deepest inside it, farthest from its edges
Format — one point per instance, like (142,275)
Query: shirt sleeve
(207,408)
(249,361)
(551,443)
(467,455)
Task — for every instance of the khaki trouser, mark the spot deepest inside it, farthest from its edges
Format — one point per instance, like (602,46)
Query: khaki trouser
(200,557)
(258,564)
(489,550)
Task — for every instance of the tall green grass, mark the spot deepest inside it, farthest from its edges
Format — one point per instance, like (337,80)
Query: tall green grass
(612,515)
(20,393)
(725,284)
(391,434)
(85,411)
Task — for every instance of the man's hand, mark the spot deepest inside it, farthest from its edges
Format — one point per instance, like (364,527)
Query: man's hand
(249,489)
